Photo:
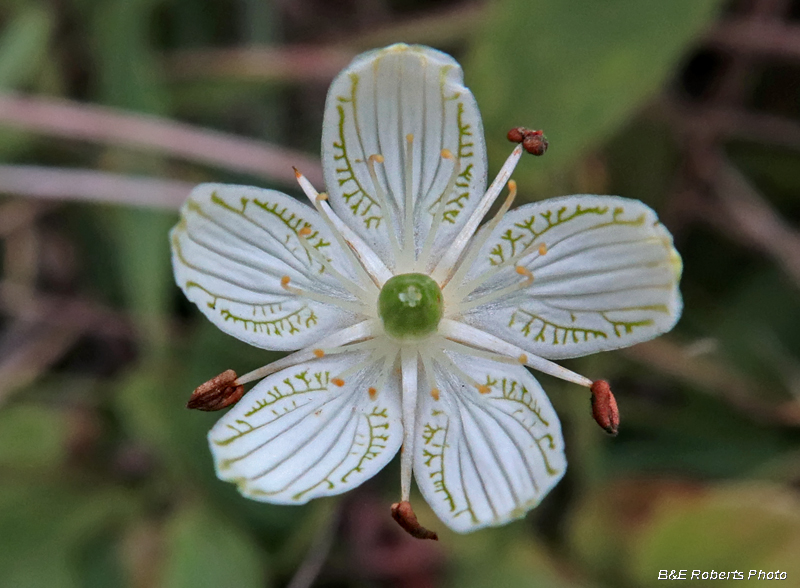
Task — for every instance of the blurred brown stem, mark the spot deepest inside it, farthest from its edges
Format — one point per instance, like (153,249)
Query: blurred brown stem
(62,311)
(709,375)
(321,63)
(27,351)
(757,37)
(298,63)
(72,120)
(95,186)
(318,552)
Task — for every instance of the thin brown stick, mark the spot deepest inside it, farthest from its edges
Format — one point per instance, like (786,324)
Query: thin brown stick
(321,63)
(751,218)
(756,38)
(318,551)
(438,28)
(62,311)
(31,352)
(94,186)
(17,214)
(72,120)
(295,64)
(720,380)
(730,123)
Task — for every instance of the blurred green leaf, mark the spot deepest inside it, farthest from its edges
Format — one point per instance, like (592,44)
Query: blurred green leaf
(45,530)
(151,402)
(23,45)
(142,248)
(128,68)
(642,161)
(575,69)
(629,530)
(128,78)
(507,557)
(204,549)
(731,528)
(32,436)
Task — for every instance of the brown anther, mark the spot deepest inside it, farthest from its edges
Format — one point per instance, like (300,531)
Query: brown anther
(535,143)
(405,517)
(319,353)
(484,389)
(217,393)
(435,393)
(517,134)
(542,249)
(338,381)
(604,407)
(304,232)
(523,271)
(285,281)
(297,173)
(373,393)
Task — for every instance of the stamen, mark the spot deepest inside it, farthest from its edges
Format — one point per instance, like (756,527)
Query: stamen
(370,269)
(357,332)
(319,353)
(408,366)
(368,345)
(438,217)
(451,256)
(373,393)
(385,205)
(467,350)
(354,307)
(523,271)
(604,407)
(463,333)
(426,364)
(408,233)
(386,370)
(372,358)
(494,270)
(405,517)
(480,240)
(218,393)
(345,282)
(461,374)
(496,294)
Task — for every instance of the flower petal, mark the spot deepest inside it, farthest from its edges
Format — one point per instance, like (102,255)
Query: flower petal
(605,276)
(485,459)
(232,247)
(297,436)
(373,105)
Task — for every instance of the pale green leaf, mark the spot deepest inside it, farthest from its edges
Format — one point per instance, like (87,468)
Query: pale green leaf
(205,550)
(23,45)
(576,69)
(32,436)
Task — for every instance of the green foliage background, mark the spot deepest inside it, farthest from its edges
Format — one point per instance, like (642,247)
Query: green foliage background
(105,478)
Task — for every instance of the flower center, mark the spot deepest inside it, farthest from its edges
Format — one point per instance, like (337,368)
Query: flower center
(410,306)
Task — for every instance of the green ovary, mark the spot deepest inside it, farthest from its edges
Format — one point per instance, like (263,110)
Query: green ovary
(410,306)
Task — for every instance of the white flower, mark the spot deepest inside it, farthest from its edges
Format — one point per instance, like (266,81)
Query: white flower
(410,326)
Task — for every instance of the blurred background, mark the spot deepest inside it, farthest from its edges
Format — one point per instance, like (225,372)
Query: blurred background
(110,110)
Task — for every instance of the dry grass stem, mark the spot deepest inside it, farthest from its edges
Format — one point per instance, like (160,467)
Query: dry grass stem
(73,120)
